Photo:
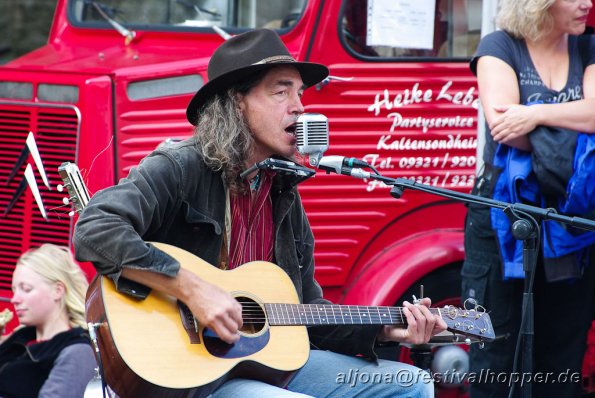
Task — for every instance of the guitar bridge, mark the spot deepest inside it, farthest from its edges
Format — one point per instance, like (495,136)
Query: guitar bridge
(189,322)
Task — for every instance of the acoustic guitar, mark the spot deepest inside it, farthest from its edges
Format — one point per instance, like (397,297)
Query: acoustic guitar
(156,348)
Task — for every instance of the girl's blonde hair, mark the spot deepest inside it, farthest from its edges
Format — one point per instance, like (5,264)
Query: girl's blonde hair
(56,264)
(525,19)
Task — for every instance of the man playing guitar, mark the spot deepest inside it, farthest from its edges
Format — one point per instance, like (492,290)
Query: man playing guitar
(190,195)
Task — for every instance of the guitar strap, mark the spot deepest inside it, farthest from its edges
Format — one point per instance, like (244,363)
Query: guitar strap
(224,255)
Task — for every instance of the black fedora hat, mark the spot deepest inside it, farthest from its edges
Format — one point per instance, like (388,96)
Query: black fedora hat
(243,55)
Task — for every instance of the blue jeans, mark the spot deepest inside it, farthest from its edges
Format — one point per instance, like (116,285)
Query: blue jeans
(328,374)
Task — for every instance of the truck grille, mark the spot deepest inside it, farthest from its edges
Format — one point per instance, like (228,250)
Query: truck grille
(55,129)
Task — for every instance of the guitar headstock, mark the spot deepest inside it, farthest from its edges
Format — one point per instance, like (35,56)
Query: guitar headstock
(475,323)
(73,182)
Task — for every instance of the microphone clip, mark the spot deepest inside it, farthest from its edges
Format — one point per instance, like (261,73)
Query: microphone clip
(283,167)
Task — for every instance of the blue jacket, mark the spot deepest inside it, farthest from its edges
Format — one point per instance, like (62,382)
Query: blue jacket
(517,183)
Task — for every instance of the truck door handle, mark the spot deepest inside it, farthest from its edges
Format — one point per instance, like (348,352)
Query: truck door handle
(328,79)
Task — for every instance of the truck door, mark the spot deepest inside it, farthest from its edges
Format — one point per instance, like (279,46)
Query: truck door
(400,96)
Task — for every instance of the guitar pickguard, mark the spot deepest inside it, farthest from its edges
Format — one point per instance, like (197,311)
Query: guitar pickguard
(245,346)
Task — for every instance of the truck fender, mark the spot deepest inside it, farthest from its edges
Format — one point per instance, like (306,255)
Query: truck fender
(391,273)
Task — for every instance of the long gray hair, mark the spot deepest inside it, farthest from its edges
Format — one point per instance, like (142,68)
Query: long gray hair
(222,133)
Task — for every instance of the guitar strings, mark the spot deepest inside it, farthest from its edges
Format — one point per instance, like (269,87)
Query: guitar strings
(318,308)
(336,306)
(253,312)
(289,313)
(352,309)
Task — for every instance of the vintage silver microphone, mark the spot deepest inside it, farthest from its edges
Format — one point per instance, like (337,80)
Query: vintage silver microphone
(312,136)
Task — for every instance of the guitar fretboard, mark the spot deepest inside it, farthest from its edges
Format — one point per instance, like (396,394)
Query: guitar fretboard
(280,314)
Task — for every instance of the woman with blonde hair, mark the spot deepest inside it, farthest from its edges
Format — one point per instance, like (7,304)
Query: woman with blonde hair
(536,78)
(50,354)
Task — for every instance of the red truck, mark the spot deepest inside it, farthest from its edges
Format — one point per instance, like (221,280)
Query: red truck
(115,77)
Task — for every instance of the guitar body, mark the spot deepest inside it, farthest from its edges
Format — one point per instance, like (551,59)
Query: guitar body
(148,350)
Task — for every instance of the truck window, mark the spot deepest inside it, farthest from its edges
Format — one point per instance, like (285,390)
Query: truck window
(187,14)
(412,28)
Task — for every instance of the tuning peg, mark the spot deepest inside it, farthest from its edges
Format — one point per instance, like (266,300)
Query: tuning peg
(71,213)
(471,302)
(468,341)
(60,188)
(66,201)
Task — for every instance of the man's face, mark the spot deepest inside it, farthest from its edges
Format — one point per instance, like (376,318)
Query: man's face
(271,109)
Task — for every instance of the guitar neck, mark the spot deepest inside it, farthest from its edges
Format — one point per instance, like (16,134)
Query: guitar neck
(280,314)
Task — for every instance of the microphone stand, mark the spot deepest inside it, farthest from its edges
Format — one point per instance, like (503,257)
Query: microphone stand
(525,224)
(400,184)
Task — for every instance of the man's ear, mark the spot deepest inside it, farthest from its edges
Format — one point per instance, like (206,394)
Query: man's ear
(241,102)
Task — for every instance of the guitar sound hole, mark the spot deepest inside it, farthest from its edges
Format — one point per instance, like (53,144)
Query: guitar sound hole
(253,316)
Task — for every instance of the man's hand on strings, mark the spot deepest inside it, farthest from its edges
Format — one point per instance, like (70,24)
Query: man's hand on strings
(421,325)
(218,310)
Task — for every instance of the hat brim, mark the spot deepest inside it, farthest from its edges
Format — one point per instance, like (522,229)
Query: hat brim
(311,74)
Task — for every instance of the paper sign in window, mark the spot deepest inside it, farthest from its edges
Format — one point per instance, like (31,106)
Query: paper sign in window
(401,23)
